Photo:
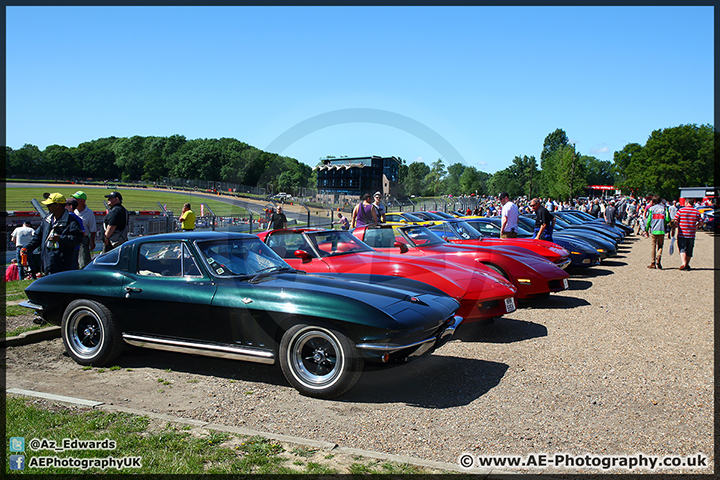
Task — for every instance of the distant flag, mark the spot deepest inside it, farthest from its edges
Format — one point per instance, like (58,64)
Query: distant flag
(202,209)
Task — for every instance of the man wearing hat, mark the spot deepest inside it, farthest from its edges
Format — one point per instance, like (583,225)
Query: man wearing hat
(57,237)
(379,206)
(509,217)
(117,223)
(88,218)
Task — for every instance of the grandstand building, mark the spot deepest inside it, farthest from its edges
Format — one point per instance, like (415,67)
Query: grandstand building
(353,177)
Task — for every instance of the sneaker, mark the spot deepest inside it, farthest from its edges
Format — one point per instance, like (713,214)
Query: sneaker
(652,265)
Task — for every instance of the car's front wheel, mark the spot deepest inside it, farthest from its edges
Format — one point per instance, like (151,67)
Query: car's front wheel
(319,361)
(90,333)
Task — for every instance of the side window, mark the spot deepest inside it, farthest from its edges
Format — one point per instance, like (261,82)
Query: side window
(166,259)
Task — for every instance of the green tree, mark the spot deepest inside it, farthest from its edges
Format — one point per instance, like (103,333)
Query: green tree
(554,142)
(599,172)
(674,157)
(59,162)
(415,184)
(452,180)
(563,173)
(527,175)
(433,181)
(25,161)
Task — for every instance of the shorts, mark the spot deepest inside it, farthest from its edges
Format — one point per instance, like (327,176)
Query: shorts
(686,245)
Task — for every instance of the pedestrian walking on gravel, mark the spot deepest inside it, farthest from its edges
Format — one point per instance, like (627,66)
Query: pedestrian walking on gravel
(686,221)
(658,219)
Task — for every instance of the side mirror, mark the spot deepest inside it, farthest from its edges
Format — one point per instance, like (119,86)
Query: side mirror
(303,255)
(403,248)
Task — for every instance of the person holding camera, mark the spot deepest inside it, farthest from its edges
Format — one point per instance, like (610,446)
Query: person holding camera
(58,237)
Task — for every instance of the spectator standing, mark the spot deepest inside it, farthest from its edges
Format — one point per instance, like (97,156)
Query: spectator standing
(544,221)
(364,213)
(610,213)
(673,209)
(686,221)
(57,237)
(595,209)
(278,221)
(657,221)
(550,206)
(88,220)
(632,212)
(380,207)
(21,236)
(117,223)
(509,217)
(187,219)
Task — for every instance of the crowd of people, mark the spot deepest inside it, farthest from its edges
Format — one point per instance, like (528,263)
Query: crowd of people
(66,237)
(655,218)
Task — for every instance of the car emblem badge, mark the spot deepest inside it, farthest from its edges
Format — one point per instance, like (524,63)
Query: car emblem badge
(414,299)
(246,300)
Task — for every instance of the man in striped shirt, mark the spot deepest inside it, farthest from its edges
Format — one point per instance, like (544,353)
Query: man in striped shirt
(686,221)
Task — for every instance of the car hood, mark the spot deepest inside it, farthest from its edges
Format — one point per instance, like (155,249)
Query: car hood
(371,300)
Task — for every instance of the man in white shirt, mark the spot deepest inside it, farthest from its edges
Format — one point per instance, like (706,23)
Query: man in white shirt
(88,218)
(509,217)
(21,236)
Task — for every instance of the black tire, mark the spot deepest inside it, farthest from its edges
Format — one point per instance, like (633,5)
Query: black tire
(497,270)
(319,361)
(90,333)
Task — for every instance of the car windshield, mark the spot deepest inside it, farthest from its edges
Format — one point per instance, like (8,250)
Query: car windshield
(465,230)
(336,242)
(421,236)
(240,257)
(408,217)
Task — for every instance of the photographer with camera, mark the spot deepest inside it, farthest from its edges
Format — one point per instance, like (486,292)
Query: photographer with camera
(58,237)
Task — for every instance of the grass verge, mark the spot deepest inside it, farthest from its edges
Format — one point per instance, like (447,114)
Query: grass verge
(164,447)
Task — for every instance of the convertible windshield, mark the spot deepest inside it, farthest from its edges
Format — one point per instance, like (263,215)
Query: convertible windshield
(336,242)
(246,256)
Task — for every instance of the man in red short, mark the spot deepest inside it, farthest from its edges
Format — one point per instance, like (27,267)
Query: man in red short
(686,221)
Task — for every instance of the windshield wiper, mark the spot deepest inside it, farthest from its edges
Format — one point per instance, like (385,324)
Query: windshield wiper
(269,271)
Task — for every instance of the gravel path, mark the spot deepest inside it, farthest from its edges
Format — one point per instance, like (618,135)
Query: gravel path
(622,363)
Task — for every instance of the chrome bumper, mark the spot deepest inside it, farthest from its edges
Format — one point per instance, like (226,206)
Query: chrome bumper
(422,346)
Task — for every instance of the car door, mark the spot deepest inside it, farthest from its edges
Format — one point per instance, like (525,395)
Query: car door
(167,293)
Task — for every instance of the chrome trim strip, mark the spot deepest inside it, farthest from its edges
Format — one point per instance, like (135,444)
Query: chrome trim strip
(449,331)
(29,304)
(198,348)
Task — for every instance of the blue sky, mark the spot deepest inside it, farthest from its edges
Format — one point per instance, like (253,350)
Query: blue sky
(475,85)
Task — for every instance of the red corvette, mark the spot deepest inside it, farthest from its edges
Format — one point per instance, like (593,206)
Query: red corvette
(459,231)
(532,276)
(481,295)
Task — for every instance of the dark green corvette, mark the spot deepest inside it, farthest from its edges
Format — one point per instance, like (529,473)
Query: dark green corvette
(229,295)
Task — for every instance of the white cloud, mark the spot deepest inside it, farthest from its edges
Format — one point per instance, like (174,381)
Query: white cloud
(595,151)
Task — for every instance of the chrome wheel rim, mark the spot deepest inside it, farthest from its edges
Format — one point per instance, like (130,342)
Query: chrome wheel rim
(84,332)
(316,358)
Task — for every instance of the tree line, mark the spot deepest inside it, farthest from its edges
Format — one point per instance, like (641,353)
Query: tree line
(671,158)
(152,159)
(674,157)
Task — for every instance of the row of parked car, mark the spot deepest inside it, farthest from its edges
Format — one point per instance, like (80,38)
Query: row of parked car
(321,303)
